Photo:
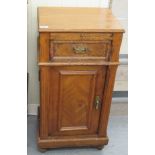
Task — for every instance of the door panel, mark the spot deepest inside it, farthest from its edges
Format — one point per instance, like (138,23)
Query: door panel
(80,49)
(71,106)
(76,99)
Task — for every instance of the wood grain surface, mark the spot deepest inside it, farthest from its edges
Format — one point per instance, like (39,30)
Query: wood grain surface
(70,19)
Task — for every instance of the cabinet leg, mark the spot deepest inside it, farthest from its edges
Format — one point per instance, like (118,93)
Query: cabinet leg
(100,147)
(42,150)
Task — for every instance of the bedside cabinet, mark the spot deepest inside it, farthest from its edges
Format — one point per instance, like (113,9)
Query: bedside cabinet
(78,57)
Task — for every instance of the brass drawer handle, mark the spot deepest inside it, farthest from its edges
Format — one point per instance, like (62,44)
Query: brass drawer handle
(97,102)
(80,50)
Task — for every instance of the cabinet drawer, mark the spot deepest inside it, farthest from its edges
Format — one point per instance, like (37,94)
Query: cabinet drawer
(74,45)
(80,49)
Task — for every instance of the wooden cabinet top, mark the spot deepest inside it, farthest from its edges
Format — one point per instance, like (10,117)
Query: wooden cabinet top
(70,19)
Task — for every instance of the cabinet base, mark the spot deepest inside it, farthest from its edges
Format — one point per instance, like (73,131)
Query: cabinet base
(95,142)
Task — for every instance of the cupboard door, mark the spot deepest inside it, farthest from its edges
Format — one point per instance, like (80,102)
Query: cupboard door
(75,99)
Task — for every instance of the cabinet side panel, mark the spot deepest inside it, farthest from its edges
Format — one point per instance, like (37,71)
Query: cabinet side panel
(109,84)
(44,47)
(107,97)
(44,101)
(116,44)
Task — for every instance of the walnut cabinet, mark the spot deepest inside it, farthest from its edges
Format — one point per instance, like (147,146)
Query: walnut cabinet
(78,55)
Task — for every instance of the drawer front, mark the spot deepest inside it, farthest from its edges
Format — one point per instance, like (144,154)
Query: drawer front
(80,49)
(75,45)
